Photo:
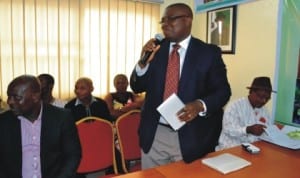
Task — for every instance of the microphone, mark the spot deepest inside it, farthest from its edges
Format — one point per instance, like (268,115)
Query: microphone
(158,40)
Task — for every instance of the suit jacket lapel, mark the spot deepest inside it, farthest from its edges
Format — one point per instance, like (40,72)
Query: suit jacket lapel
(16,140)
(188,64)
(45,132)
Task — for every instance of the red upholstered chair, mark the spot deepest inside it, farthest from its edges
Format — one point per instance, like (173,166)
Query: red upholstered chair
(127,131)
(97,142)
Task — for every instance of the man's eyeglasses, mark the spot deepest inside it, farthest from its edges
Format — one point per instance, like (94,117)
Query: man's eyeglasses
(171,19)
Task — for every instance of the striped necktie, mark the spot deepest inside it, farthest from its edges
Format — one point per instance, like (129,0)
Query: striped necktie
(172,75)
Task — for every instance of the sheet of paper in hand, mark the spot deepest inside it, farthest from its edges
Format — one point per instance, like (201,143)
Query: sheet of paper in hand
(169,108)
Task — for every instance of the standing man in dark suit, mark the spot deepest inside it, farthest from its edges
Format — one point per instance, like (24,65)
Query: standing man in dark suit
(203,87)
(36,140)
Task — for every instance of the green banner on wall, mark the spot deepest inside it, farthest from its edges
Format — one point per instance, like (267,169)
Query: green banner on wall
(207,5)
(287,109)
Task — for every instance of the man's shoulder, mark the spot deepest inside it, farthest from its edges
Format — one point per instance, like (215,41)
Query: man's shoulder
(99,101)
(55,113)
(6,114)
(7,118)
(70,103)
(238,103)
(59,102)
(201,44)
(48,108)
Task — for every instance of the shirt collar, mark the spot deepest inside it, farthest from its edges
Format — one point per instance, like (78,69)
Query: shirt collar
(39,118)
(184,43)
(93,99)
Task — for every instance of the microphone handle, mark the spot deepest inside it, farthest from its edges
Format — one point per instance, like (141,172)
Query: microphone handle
(145,58)
(147,54)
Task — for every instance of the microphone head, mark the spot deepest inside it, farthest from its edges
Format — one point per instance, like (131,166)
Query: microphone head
(159,37)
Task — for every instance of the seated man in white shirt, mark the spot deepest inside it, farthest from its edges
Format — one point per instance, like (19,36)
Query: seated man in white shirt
(245,119)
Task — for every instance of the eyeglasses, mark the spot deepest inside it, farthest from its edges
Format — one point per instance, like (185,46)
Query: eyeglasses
(171,19)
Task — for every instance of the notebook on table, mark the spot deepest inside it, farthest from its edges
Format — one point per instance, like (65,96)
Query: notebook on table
(226,163)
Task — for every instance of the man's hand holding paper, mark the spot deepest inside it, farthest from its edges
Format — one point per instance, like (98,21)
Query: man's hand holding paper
(190,111)
(169,110)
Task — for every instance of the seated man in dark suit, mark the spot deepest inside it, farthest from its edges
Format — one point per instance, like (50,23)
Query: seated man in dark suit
(36,139)
(85,104)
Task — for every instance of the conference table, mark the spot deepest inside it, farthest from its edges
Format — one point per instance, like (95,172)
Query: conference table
(272,162)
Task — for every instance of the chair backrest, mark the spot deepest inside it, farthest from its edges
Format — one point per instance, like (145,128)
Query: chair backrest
(97,142)
(127,130)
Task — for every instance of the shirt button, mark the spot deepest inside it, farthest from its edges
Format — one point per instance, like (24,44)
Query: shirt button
(34,165)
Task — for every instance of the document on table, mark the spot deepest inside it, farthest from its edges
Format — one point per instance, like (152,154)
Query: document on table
(281,136)
(226,163)
(169,108)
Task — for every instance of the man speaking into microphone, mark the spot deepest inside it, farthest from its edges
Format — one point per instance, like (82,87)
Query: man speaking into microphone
(196,73)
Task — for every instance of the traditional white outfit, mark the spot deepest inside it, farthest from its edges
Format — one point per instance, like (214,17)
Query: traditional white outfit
(237,117)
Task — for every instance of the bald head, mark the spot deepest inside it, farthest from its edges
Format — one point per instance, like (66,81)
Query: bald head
(24,96)
(183,8)
(29,82)
(86,81)
(83,89)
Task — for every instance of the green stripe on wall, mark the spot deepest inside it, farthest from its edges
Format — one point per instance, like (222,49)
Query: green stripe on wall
(288,60)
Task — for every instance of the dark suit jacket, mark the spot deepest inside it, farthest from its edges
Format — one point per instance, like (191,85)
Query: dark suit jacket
(203,77)
(60,146)
(98,108)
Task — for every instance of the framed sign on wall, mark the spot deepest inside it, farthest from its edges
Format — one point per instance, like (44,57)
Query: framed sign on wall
(221,28)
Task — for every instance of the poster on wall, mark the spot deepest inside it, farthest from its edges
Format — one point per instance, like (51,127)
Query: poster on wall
(221,25)
(207,5)
(287,100)
(296,112)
